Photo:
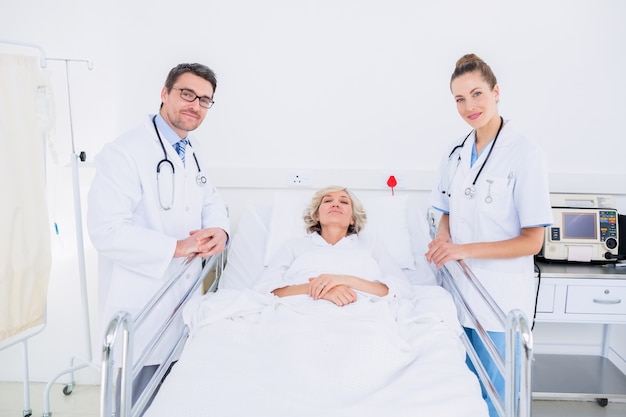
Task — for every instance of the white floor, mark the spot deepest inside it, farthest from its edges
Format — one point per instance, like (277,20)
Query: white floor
(84,401)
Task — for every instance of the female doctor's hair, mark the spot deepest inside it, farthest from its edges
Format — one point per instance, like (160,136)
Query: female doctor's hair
(196,69)
(358,213)
(470,63)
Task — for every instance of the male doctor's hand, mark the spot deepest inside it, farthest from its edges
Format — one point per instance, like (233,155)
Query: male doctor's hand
(204,243)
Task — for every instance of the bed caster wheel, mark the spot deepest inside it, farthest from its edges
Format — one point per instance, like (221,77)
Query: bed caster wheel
(27,413)
(67,390)
(602,402)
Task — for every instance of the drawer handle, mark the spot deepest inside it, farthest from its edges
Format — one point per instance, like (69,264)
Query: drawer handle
(599,301)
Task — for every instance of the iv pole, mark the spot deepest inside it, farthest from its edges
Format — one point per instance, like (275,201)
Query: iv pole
(67,390)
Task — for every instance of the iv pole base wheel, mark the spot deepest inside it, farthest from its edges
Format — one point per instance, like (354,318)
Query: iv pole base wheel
(67,390)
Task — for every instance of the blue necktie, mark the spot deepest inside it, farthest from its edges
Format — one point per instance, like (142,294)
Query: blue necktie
(180,149)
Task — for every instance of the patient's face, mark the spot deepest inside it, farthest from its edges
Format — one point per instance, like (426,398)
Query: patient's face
(335,209)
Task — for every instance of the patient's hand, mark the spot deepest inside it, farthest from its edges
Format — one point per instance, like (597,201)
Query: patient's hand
(340,295)
(323,284)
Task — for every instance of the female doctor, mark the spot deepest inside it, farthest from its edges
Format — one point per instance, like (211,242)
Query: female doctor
(493,193)
(148,209)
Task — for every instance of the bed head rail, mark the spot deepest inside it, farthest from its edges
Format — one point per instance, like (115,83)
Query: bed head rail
(518,339)
(125,326)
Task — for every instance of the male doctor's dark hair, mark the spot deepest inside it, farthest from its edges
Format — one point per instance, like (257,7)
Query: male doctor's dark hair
(197,69)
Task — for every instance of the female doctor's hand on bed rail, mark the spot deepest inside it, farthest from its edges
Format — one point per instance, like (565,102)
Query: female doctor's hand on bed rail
(441,249)
(204,243)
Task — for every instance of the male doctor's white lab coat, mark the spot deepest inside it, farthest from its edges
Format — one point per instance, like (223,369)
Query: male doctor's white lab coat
(135,237)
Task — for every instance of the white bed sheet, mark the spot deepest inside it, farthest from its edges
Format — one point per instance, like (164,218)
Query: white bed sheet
(251,354)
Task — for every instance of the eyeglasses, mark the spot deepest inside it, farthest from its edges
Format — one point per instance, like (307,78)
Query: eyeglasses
(190,96)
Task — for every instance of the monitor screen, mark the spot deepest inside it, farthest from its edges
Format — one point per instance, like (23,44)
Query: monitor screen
(579,226)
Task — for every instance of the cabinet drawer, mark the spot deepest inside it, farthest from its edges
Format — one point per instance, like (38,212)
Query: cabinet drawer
(584,299)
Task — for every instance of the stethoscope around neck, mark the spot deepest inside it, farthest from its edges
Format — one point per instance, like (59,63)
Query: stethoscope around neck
(200,178)
(470,192)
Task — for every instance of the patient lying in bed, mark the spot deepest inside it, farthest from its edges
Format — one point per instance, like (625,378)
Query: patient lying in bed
(333,262)
(332,328)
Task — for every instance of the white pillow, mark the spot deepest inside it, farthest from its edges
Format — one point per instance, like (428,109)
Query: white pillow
(287,221)
(386,220)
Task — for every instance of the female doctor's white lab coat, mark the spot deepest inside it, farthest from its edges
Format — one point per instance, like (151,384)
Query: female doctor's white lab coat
(511,193)
(134,236)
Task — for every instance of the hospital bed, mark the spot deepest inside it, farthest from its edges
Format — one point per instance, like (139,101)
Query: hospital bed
(242,355)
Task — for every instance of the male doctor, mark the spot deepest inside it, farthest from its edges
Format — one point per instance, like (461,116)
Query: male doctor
(150,206)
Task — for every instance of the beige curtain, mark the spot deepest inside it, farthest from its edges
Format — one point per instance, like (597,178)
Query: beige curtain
(24,226)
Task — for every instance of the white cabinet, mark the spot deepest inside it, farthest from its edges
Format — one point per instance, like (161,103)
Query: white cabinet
(579,294)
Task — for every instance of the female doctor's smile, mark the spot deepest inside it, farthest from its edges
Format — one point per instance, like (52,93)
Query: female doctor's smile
(476,102)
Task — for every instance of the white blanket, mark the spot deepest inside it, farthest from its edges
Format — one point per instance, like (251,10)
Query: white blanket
(256,355)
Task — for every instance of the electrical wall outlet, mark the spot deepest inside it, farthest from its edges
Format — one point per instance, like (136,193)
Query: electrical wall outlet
(299,179)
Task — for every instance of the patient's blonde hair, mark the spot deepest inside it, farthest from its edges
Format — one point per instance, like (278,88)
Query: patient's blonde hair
(312,211)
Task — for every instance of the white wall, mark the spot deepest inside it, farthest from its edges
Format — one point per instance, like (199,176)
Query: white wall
(345,91)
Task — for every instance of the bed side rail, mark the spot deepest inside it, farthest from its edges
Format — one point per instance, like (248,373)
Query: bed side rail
(122,329)
(517,329)
(519,343)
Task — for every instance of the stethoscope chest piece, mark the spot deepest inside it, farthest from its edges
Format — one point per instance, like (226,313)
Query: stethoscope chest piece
(201,180)
(470,192)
